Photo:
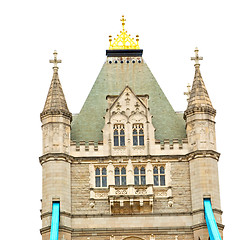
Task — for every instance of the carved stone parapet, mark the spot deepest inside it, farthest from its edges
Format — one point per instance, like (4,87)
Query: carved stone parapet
(130,191)
(163,192)
(98,194)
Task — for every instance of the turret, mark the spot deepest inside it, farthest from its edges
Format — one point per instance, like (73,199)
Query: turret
(55,117)
(56,120)
(203,158)
(200,114)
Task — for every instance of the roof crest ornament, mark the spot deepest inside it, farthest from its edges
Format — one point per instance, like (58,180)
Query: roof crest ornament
(123,41)
(196,58)
(55,61)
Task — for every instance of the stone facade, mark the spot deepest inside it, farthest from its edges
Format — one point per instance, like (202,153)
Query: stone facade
(130,185)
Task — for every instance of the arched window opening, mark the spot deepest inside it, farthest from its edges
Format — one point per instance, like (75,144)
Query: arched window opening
(100,177)
(118,135)
(138,134)
(159,176)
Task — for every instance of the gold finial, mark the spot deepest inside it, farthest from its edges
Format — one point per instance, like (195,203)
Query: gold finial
(188,91)
(123,41)
(196,58)
(123,21)
(55,61)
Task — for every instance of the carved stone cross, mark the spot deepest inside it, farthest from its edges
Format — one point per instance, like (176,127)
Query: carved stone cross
(55,61)
(196,58)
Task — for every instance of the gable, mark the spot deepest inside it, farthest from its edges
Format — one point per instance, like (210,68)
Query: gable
(127,103)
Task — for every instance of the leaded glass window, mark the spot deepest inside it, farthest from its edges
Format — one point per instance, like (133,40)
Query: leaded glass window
(135,137)
(136,176)
(97,177)
(116,138)
(104,177)
(120,176)
(118,135)
(159,176)
(100,177)
(139,176)
(138,135)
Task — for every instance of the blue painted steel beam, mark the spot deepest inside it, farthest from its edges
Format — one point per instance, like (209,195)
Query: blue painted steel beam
(55,220)
(210,220)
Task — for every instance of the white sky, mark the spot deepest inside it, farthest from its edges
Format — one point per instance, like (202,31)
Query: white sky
(169,32)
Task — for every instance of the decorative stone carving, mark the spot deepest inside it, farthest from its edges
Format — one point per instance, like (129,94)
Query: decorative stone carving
(128,109)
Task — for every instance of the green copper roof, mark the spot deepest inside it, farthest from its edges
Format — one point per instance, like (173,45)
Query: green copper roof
(112,79)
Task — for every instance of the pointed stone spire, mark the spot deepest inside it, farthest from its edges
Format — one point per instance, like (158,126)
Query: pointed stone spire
(199,100)
(55,103)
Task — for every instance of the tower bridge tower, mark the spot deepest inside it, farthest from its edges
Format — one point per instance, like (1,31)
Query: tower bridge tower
(128,166)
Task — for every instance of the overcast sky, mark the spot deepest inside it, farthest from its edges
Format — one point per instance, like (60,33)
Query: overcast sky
(169,32)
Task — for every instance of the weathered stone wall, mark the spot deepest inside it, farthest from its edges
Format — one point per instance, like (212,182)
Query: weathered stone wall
(81,192)
(179,180)
(180,177)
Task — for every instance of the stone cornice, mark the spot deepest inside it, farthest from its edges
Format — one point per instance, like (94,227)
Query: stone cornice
(67,214)
(204,225)
(61,228)
(49,214)
(76,160)
(117,231)
(203,109)
(56,112)
(130,231)
(203,154)
(188,157)
(55,157)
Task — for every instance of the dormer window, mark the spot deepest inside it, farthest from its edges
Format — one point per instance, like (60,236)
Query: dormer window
(138,135)
(119,135)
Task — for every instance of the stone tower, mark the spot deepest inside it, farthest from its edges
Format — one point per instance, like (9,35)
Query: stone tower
(56,167)
(128,166)
(202,157)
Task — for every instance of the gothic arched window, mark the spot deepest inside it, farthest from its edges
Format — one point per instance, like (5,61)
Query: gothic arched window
(120,176)
(159,176)
(138,135)
(139,176)
(101,177)
(118,135)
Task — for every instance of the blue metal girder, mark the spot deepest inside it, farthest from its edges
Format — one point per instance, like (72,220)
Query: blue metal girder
(55,220)
(210,220)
